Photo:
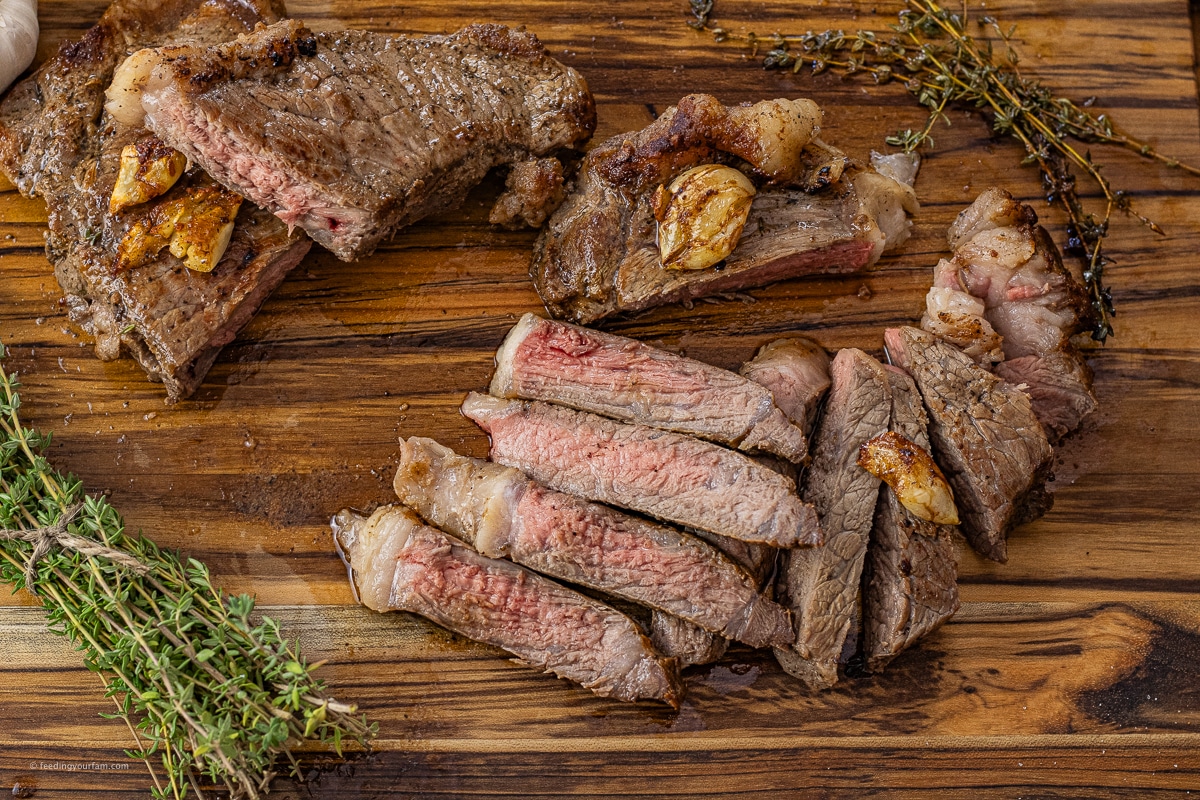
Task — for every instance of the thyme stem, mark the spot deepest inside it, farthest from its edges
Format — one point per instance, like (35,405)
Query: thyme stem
(212,695)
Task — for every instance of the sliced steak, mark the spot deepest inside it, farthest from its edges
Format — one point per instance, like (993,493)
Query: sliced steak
(985,437)
(668,476)
(821,585)
(796,371)
(58,142)
(627,380)
(910,578)
(685,641)
(352,135)
(1005,294)
(599,253)
(502,514)
(398,564)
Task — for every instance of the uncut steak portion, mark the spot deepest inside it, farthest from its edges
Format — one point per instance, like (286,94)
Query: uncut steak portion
(665,475)
(821,585)
(58,142)
(627,380)
(503,514)
(985,437)
(399,564)
(910,577)
(598,255)
(352,135)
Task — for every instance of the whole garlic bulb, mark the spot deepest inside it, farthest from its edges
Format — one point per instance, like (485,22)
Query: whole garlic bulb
(701,216)
(18,38)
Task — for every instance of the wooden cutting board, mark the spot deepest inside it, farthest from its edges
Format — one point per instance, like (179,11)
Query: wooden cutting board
(1071,671)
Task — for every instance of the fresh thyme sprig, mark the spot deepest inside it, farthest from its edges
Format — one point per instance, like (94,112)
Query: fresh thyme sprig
(211,694)
(930,51)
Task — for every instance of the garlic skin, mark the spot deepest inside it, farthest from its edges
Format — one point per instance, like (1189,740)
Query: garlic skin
(18,38)
(701,216)
(123,97)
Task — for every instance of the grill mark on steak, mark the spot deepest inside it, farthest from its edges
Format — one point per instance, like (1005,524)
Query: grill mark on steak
(665,475)
(627,380)
(399,564)
(985,437)
(598,255)
(910,577)
(57,142)
(821,585)
(503,514)
(353,135)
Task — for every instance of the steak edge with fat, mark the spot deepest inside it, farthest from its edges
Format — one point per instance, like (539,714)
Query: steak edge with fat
(399,564)
(665,475)
(352,135)
(625,379)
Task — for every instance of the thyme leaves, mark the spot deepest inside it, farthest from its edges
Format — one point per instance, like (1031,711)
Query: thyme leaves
(930,51)
(212,693)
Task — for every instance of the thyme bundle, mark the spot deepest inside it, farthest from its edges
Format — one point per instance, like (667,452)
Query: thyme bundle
(210,694)
(930,51)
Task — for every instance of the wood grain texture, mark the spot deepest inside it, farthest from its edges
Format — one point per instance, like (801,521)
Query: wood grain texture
(1070,672)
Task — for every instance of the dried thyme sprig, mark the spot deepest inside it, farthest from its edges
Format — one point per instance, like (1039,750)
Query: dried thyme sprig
(213,695)
(930,51)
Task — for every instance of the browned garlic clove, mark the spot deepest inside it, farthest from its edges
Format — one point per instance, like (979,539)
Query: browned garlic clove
(196,226)
(701,216)
(912,474)
(148,168)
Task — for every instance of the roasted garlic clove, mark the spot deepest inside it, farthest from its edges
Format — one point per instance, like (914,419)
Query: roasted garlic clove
(701,215)
(196,226)
(148,169)
(914,477)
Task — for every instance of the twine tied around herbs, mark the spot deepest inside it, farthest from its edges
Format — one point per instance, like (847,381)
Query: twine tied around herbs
(57,535)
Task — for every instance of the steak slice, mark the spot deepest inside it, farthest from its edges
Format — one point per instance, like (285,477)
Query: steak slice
(353,135)
(985,437)
(796,371)
(627,380)
(1005,296)
(501,513)
(398,564)
(57,142)
(910,578)
(599,254)
(668,476)
(821,585)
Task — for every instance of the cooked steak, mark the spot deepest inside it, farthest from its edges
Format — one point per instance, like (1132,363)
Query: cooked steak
(398,564)
(599,253)
(910,576)
(352,135)
(821,585)
(502,513)
(668,476)
(1005,294)
(796,371)
(985,438)
(684,641)
(627,380)
(57,142)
